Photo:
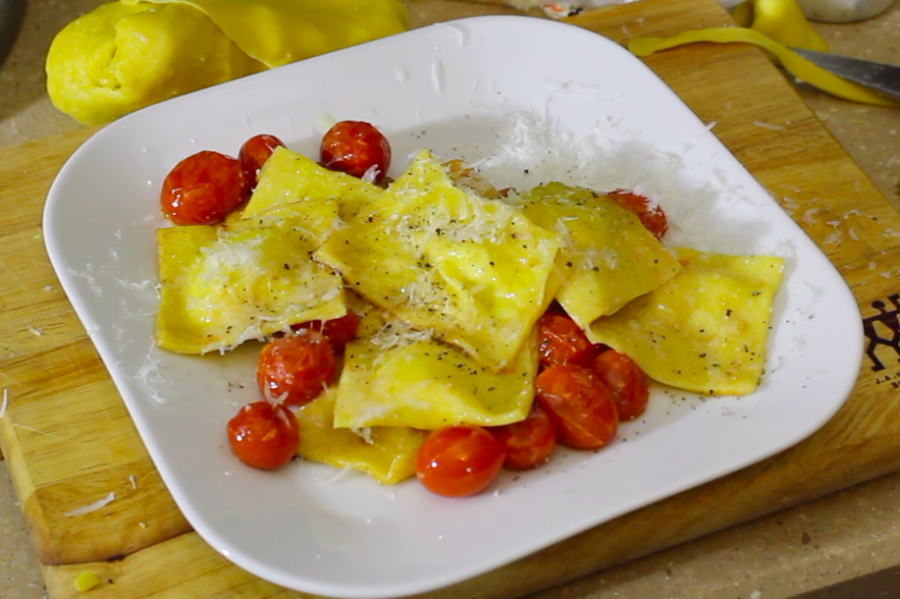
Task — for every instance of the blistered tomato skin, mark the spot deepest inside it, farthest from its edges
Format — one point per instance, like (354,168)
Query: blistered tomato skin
(579,404)
(459,461)
(263,435)
(354,147)
(203,188)
(561,341)
(295,369)
(625,380)
(529,442)
(651,214)
(254,154)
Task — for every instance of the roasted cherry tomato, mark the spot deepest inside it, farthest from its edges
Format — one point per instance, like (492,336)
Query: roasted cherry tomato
(561,341)
(203,188)
(339,331)
(579,404)
(254,154)
(529,442)
(297,367)
(264,435)
(354,147)
(651,214)
(458,461)
(625,380)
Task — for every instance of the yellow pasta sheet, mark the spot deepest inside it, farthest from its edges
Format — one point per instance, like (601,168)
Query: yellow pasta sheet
(277,32)
(388,454)
(473,271)
(119,58)
(400,377)
(326,197)
(705,330)
(223,285)
(607,256)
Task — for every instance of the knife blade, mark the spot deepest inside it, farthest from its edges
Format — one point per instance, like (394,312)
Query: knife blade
(879,76)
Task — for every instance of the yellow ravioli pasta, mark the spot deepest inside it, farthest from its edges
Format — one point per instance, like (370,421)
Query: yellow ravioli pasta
(387,454)
(223,285)
(325,196)
(607,257)
(398,377)
(476,272)
(706,329)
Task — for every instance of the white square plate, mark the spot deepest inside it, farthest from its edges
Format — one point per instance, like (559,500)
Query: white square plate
(529,100)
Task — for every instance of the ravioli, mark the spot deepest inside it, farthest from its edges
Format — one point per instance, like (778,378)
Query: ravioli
(400,377)
(475,272)
(223,285)
(325,197)
(706,329)
(387,454)
(607,258)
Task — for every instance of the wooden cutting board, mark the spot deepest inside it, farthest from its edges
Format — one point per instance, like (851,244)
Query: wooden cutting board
(69,441)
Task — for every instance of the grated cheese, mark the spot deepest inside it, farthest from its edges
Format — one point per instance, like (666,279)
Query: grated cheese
(808,217)
(338,476)
(834,238)
(396,334)
(93,507)
(5,403)
(364,433)
(769,126)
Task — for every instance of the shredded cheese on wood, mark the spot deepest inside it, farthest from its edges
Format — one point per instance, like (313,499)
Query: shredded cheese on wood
(93,507)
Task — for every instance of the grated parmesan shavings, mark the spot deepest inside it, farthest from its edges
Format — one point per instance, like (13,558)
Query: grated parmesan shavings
(769,126)
(809,216)
(339,475)
(93,507)
(364,433)
(834,238)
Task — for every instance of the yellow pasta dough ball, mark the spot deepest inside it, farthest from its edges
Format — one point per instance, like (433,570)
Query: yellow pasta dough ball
(119,58)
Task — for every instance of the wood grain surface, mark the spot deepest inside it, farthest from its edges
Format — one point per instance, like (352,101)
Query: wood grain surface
(69,441)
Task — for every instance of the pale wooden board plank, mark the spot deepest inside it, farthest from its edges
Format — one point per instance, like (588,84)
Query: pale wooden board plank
(736,87)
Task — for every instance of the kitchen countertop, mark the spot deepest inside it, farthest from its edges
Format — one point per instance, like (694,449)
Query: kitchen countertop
(846,544)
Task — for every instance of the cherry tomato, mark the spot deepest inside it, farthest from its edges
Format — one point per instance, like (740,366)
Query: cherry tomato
(203,188)
(579,404)
(255,152)
(297,365)
(561,341)
(264,435)
(651,214)
(529,442)
(457,461)
(354,147)
(625,380)
(339,331)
